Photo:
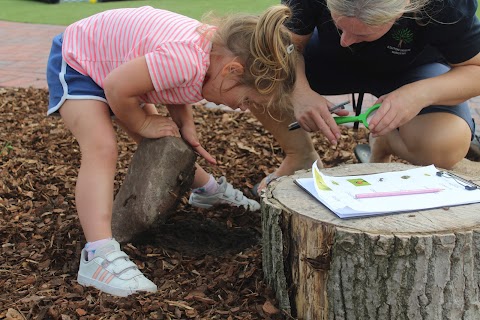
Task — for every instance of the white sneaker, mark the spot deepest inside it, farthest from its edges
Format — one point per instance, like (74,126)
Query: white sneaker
(226,194)
(111,271)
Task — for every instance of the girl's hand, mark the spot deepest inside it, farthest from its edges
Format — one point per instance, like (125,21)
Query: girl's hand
(397,108)
(189,134)
(157,126)
(183,117)
(312,113)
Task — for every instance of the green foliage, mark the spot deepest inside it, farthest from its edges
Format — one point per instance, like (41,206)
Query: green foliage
(34,11)
(7,147)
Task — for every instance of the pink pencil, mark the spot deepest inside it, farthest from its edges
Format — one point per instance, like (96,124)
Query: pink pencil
(395,193)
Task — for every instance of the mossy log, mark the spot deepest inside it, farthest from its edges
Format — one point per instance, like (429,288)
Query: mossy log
(415,265)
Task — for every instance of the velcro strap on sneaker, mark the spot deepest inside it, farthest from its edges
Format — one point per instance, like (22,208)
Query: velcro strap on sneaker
(115,255)
(122,266)
(230,192)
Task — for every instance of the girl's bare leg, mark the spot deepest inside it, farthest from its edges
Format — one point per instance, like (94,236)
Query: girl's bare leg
(297,144)
(90,123)
(201,177)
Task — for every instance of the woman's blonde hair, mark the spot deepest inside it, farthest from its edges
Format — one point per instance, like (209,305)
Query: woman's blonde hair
(375,13)
(264,46)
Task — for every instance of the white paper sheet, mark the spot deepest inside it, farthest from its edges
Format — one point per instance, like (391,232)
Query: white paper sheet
(338,193)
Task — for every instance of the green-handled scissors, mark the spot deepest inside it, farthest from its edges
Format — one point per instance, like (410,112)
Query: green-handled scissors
(363,118)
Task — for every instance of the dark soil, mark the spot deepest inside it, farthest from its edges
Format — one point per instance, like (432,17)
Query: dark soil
(206,263)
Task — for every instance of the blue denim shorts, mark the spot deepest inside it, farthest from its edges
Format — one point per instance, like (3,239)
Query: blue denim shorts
(66,83)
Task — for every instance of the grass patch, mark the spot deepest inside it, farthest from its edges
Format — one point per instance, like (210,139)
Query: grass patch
(32,11)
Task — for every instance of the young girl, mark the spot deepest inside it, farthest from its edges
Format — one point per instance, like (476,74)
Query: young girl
(124,61)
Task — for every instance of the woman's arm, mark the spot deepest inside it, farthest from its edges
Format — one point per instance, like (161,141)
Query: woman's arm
(311,109)
(400,106)
(461,83)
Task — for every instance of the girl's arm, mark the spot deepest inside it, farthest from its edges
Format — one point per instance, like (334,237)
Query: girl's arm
(182,115)
(122,88)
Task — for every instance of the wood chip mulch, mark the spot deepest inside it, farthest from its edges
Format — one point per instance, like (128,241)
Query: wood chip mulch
(206,263)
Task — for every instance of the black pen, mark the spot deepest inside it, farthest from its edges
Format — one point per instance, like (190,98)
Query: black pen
(295,125)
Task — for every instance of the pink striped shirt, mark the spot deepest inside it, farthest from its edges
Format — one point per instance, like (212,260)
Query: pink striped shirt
(177,55)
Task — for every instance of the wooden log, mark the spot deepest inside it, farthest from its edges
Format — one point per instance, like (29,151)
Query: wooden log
(415,265)
(160,173)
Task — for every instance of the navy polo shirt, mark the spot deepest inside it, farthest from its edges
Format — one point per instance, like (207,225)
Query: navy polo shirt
(446,31)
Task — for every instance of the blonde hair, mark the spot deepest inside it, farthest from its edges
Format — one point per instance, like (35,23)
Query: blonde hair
(264,46)
(375,13)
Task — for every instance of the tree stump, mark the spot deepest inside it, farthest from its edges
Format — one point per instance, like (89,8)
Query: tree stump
(415,265)
(161,171)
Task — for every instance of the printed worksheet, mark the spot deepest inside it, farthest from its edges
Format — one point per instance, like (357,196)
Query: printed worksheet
(388,192)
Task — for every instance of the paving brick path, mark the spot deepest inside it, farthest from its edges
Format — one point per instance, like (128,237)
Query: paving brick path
(24,50)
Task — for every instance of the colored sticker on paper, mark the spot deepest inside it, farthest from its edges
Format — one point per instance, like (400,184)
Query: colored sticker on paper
(358,182)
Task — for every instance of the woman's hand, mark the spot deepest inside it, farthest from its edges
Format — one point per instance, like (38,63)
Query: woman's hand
(312,113)
(397,108)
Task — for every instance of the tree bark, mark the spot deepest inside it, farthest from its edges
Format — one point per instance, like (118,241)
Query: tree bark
(161,172)
(415,265)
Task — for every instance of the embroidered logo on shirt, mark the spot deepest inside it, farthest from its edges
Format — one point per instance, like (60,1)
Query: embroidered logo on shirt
(403,36)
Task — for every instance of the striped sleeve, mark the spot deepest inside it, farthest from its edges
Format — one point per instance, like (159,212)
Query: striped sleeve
(174,65)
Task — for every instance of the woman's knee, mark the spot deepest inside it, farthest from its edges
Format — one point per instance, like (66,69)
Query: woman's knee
(442,140)
(441,156)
